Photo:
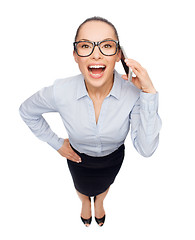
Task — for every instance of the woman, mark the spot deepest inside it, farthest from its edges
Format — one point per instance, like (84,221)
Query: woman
(97,108)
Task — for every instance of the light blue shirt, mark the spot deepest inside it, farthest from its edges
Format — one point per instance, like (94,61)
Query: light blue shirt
(124,106)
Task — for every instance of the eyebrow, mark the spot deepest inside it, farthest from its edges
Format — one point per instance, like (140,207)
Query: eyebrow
(98,41)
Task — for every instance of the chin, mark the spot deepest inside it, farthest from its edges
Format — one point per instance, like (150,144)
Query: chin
(96,82)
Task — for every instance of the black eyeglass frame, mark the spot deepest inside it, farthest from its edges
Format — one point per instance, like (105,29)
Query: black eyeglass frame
(98,45)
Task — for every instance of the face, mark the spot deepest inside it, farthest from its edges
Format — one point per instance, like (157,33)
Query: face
(97,68)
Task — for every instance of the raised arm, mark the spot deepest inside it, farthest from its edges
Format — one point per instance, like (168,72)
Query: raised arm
(145,121)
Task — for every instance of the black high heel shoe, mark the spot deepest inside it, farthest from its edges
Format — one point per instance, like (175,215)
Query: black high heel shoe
(100,221)
(87,221)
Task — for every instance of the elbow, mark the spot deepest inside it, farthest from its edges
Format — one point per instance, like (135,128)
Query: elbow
(147,148)
(24,113)
(147,154)
(21,110)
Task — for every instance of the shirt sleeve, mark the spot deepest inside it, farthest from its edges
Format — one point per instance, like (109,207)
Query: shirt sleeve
(145,124)
(31,112)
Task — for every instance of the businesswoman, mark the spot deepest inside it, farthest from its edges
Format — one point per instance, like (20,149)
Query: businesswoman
(97,108)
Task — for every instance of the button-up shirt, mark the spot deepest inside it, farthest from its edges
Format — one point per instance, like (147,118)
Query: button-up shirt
(123,107)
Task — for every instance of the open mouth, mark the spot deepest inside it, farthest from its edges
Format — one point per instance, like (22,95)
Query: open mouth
(96,71)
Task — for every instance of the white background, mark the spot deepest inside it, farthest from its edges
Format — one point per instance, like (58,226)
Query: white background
(152,198)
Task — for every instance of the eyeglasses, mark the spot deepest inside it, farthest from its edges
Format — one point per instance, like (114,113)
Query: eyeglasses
(86,48)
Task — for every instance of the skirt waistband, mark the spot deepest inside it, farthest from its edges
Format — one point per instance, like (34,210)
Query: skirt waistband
(112,159)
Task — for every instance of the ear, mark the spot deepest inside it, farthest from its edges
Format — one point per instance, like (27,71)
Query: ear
(118,56)
(75,56)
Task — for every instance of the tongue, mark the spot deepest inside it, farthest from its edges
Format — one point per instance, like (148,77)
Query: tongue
(96,70)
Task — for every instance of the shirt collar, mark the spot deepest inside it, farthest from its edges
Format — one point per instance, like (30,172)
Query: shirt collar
(116,88)
(81,88)
(115,91)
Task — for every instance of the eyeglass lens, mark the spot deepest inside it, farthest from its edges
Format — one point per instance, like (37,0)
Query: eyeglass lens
(107,48)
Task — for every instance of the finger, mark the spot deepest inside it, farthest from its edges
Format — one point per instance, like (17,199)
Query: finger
(75,156)
(136,71)
(125,77)
(133,64)
(72,152)
(73,159)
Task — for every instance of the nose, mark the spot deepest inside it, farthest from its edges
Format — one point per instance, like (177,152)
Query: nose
(96,53)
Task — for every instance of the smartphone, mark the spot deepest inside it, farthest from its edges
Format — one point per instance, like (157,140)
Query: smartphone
(127,69)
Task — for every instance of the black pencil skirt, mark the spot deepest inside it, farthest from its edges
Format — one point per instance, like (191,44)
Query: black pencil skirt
(94,175)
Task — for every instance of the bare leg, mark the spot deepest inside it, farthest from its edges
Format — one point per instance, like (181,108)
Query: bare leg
(86,206)
(99,204)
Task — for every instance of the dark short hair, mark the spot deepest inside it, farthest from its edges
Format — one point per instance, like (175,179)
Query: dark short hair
(100,19)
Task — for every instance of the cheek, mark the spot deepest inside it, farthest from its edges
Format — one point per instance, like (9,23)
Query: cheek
(112,62)
(82,65)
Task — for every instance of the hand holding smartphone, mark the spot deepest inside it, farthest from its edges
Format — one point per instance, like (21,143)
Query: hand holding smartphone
(127,69)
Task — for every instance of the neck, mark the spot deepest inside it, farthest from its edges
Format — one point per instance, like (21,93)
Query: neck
(99,92)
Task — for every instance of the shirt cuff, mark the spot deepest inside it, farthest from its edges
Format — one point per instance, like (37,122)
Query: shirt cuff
(149,101)
(56,143)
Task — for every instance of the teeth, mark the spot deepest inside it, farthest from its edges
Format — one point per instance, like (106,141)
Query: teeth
(96,66)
